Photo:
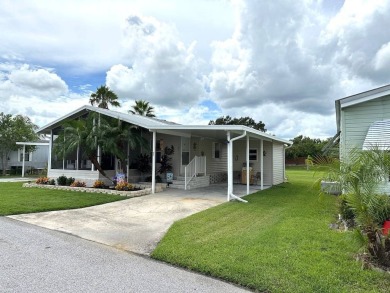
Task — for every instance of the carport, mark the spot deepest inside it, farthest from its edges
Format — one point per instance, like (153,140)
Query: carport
(229,134)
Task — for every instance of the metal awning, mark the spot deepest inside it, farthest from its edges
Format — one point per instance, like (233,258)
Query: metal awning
(378,136)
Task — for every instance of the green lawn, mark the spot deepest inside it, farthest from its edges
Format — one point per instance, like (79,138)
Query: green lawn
(14,199)
(278,242)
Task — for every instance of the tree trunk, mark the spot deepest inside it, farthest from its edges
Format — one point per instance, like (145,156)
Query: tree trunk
(4,159)
(99,167)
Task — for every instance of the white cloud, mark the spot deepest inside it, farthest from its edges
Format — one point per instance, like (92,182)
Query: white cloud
(268,60)
(160,68)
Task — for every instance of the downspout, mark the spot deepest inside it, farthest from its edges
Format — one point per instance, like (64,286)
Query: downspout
(230,166)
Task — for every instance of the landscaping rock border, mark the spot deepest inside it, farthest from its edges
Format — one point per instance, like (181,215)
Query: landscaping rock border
(145,189)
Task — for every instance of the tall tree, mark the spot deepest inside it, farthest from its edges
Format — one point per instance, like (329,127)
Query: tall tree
(142,108)
(12,130)
(104,97)
(247,121)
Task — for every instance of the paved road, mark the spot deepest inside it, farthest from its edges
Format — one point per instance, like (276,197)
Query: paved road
(34,259)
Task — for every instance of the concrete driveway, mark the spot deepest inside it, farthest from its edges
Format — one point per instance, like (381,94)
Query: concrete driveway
(135,224)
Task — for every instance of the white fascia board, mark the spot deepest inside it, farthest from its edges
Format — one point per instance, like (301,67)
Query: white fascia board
(252,132)
(32,143)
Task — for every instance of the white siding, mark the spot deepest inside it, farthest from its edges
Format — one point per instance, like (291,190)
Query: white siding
(278,163)
(356,120)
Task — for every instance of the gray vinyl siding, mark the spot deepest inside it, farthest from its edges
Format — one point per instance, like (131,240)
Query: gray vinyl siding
(38,158)
(278,163)
(356,120)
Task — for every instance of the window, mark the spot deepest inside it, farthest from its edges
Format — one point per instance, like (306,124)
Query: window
(216,149)
(252,154)
(158,150)
(27,156)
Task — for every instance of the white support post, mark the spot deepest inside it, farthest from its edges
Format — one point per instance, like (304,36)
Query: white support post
(49,154)
(261,164)
(77,157)
(24,154)
(154,163)
(128,162)
(229,191)
(247,165)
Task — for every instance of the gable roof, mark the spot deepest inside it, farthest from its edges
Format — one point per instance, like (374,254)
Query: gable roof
(134,119)
(360,98)
(167,127)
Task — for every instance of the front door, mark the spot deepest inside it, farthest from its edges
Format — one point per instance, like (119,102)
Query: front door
(185,153)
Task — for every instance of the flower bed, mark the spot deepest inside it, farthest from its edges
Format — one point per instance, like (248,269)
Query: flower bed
(143,189)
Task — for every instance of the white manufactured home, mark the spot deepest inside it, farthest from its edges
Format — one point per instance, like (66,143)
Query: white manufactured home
(204,154)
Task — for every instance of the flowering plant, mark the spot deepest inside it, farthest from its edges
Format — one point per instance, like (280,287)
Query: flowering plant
(42,180)
(123,186)
(99,184)
(78,184)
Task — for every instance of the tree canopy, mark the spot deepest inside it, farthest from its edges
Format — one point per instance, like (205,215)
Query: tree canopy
(103,97)
(14,129)
(142,108)
(304,146)
(247,121)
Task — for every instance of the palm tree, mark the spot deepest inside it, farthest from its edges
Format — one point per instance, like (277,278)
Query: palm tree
(142,108)
(121,137)
(104,97)
(113,136)
(360,178)
(83,134)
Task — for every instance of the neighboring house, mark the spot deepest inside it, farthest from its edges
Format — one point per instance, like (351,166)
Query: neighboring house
(363,121)
(203,154)
(34,162)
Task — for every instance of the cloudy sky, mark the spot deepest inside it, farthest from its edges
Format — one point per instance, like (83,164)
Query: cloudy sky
(283,62)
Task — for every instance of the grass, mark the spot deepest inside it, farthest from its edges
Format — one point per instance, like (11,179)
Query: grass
(278,242)
(14,199)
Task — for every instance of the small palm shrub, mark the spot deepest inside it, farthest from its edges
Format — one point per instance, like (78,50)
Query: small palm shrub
(78,183)
(42,180)
(99,184)
(363,202)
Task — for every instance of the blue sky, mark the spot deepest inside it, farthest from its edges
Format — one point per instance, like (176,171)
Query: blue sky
(283,62)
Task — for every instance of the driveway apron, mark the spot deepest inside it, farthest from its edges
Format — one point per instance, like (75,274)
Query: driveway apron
(135,224)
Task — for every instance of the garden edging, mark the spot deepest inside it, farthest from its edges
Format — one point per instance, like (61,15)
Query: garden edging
(144,189)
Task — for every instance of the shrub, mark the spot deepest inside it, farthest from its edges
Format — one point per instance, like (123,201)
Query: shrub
(42,180)
(61,180)
(52,182)
(69,181)
(78,184)
(123,186)
(99,184)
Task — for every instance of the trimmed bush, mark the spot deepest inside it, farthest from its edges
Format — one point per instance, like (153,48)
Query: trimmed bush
(61,180)
(69,181)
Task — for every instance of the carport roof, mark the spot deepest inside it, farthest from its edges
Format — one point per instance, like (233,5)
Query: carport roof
(215,131)
(163,126)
